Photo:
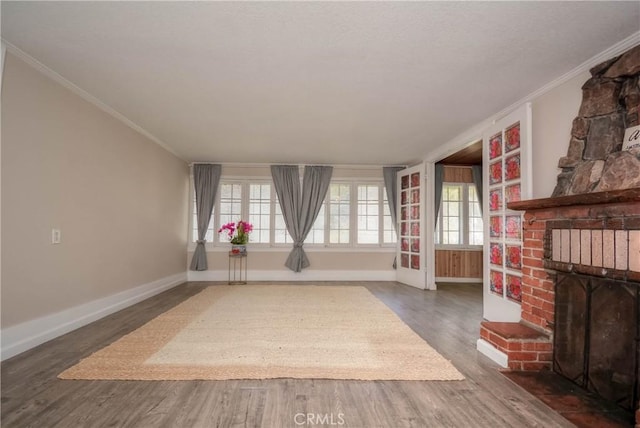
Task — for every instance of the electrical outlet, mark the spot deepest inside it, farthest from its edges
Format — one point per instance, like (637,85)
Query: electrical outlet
(56,236)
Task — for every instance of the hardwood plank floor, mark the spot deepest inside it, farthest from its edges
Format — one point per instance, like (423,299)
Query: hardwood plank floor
(448,319)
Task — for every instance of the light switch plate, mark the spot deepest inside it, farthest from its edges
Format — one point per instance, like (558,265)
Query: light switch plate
(55,236)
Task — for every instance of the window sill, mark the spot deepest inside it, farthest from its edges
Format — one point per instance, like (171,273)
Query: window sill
(308,248)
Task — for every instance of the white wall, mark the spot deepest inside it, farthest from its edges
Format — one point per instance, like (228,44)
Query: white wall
(553,114)
(118,198)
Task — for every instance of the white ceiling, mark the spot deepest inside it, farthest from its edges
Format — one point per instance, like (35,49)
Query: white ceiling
(312,82)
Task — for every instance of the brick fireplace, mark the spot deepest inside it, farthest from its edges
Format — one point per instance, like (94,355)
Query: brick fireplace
(581,287)
(580,309)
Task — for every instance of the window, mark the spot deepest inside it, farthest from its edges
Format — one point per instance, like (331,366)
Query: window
(353,213)
(460,217)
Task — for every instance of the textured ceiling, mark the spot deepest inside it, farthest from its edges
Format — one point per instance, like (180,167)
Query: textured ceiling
(312,82)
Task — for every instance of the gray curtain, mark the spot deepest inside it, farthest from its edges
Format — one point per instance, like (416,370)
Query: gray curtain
(300,209)
(476,171)
(391,185)
(206,178)
(439,179)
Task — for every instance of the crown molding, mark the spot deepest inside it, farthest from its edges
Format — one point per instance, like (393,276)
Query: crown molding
(14,50)
(474,133)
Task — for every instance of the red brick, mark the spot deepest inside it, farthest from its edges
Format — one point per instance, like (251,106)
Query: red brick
(545,356)
(515,365)
(533,235)
(582,212)
(535,320)
(588,224)
(543,214)
(544,346)
(523,356)
(538,253)
(617,210)
(548,307)
(533,262)
(545,295)
(498,341)
(484,333)
(632,223)
(529,346)
(539,274)
(536,302)
(536,366)
(536,225)
(514,346)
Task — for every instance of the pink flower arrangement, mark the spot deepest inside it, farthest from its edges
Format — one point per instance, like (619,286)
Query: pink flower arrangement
(238,233)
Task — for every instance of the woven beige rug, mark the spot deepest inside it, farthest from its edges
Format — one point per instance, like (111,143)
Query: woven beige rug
(271,331)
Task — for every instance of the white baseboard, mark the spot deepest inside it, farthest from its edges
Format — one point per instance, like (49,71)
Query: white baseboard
(458,280)
(22,337)
(492,352)
(305,275)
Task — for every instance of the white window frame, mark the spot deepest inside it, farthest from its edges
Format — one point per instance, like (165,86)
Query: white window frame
(220,243)
(464,220)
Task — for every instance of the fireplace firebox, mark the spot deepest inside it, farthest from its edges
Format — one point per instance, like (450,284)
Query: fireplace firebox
(597,336)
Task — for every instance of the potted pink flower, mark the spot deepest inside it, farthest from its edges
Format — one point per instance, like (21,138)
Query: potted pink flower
(238,235)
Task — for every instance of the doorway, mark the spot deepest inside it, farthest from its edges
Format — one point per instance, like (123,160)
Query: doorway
(459,226)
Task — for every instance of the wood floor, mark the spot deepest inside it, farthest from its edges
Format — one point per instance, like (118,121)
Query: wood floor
(448,319)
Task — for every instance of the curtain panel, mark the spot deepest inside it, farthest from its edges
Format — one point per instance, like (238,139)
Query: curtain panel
(476,171)
(300,208)
(390,174)
(206,178)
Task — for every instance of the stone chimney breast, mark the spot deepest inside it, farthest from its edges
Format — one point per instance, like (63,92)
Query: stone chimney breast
(610,104)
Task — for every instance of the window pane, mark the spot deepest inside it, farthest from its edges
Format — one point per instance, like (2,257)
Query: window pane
(230,203)
(339,215)
(260,211)
(368,214)
(316,234)
(281,235)
(389,229)
(450,221)
(475,218)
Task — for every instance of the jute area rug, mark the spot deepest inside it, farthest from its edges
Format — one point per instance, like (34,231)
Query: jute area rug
(271,331)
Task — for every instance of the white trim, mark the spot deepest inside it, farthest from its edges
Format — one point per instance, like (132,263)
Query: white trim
(429,225)
(3,54)
(86,96)
(223,247)
(305,275)
(458,280)
(490,351)
(22,337)
(474,133)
